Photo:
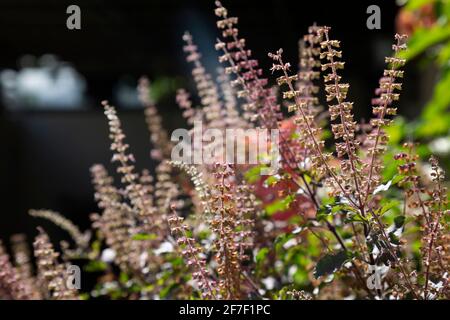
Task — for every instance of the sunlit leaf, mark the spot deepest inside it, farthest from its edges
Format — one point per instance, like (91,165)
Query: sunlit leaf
(95,266)
(416,4)
(436,116)
(253,174)
(261,255)
(279,205)
(388,206)
(424,38)
(144,236)
(397,178)
(330,263)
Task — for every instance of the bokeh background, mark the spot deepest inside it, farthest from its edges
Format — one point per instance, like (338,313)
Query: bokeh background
(52,81)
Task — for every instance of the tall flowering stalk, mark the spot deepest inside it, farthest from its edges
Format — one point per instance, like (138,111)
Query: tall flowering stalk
(190,113)
(348,180)
(80,239)
(50,271)
(206,88)
(307,88)
(12,285)
(235,246)
(223,224)
(260,102)
(158,135)
(23,262)
(192,253)
(383,107)
(202,194)
(431,204)
(140,201)
(116,221)
(166,189)
(230,212)
(233,118)
(344,128)
(435,247)
(247,211)
(320,159)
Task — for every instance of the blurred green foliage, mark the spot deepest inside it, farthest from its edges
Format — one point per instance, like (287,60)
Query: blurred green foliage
(163,87)
(429,45)
(434,44)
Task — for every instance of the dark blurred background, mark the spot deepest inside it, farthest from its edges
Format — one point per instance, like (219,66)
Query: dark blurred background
(49,143)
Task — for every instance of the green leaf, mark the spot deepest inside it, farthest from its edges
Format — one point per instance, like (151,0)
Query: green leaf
(388,206)
(399,221)
(326,134)
(416,4)
(123,278)
(444,55)
(394,239)
(397,178)
(354,217)
(96,247)
(162,87)
(308,179)
(281,240)
(84,296)
(166,290)
(323,212)
(261,255)
(95,266)
(279,205)
(144,236)
(330,263)
(253,174)
(177,261)
(271,181)
(444,12)
(423,38)
(396,130)
(436,117)
(295,135)
(327,209)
